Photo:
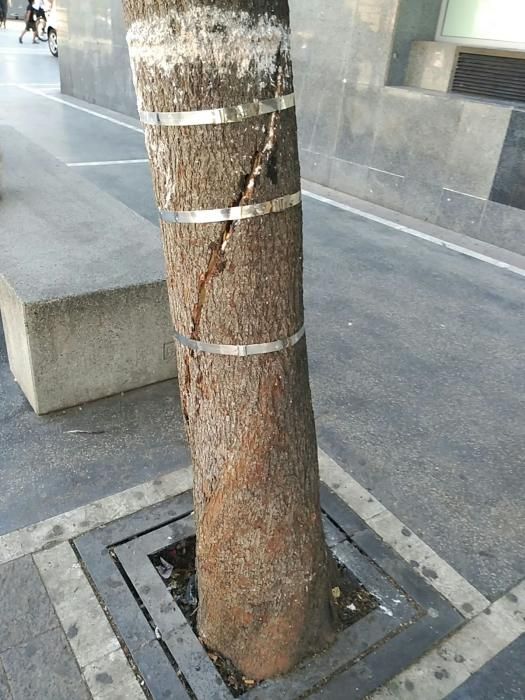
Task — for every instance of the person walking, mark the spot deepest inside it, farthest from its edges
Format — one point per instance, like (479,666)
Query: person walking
(30,23)
(3,13)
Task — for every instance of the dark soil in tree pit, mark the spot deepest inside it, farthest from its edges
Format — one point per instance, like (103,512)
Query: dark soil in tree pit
(176,565)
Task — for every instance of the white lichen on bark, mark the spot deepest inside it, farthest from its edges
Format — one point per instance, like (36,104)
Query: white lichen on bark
(228,43)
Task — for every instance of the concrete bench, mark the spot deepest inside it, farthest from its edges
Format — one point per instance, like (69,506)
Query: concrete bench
(82,285)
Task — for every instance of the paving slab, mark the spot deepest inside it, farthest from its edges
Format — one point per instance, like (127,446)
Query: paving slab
(25,607)
(87,629)
(111,678)
(44,667)
(5,692)
(502,678)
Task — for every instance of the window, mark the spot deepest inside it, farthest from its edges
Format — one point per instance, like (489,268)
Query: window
(483,23)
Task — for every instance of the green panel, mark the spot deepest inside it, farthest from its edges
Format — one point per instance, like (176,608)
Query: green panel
(492,20)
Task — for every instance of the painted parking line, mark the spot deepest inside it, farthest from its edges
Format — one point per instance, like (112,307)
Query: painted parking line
(417,234)
(92,112)
(94,163)
(40,86)
(327,200)
(24,52)
(452,663)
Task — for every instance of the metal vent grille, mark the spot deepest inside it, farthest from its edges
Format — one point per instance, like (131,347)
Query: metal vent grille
(500,77)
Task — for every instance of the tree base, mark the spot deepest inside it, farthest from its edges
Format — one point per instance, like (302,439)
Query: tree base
(351,602)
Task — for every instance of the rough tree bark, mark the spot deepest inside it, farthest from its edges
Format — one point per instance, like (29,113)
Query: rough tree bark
(263,569)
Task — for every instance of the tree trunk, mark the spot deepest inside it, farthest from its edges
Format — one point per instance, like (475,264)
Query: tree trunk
(263,574)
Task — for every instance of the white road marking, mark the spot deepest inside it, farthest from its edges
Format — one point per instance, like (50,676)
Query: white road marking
(320,198)
(42,86)
(59,100)
(439,672)
(418,234)
(326,200)
(106,162)
(23,51)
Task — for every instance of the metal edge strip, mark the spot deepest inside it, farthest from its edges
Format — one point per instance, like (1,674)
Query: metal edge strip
(247,211)
(223,115)
(241,350)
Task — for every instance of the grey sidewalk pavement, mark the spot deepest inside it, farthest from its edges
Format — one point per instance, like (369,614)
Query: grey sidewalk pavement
(35,658)
(417,357)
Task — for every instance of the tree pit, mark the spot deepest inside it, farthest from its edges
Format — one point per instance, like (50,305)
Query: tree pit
(176,565)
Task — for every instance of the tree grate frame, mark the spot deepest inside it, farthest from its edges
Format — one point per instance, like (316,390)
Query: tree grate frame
(411,617)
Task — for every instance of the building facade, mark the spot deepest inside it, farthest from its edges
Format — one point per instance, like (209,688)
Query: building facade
(417,105)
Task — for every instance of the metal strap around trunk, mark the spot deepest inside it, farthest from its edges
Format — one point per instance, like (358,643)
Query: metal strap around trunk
(223,115)
(241,350)
(247,211)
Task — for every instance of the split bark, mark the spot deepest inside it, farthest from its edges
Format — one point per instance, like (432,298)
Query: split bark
(264,584)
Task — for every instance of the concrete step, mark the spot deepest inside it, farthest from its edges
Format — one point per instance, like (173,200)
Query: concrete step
(82,284)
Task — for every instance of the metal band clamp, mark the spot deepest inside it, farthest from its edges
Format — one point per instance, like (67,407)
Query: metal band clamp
(224,115)
(241,350)
(247,211)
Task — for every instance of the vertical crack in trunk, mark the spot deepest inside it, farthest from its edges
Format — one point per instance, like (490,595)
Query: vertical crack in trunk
(216,263)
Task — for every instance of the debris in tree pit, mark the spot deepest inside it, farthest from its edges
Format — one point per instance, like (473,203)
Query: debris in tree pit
(164,569)
(386,610)
(158,634)
(351,603)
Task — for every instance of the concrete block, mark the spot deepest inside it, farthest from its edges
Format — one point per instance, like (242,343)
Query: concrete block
(349,177)
(82,33)
(82,289)
(509,182)
(431,65)
(5,692)
(461,212)
(370,44)
(421,199)
(471,168)
(386,188)
(503,226)
(357,123)
(329,99)
(315,166)
(413,133)
(416,21)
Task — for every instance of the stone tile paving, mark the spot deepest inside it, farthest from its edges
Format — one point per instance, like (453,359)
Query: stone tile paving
(502,678)
(36,660)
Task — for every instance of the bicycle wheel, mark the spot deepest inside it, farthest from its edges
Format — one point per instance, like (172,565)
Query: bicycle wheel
(41,30)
